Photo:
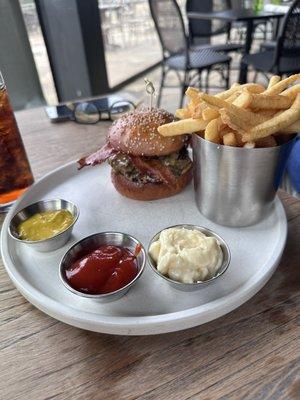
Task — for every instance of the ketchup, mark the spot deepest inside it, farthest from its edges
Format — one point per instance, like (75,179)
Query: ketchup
(104,270)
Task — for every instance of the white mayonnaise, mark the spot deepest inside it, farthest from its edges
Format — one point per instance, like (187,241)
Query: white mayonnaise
(185,255)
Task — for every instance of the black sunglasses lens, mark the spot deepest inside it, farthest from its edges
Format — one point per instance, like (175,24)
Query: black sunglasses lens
(120,108)
(86,113)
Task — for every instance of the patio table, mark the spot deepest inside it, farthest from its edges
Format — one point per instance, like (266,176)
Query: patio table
(243,15)
(251,353)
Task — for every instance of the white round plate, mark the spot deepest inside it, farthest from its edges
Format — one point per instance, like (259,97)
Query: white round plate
(152,306)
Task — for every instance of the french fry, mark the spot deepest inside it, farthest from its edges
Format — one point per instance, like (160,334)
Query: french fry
(273,80)
(182,127)
(192,93)
(277,124)
(282,85)
(210,113)
(212,131)
(273,102)
(234,121)
(245,115)
(224,129)
(292,91)
(191,110)
(229,139)
(268,141)
(214,101)
(183,113)
(195,107)
(239,139)
(233,97)
(243,100)
(267,114)
(249,117)
(294,128)
(227,93)
(252,87)
(198,110)
(262,101)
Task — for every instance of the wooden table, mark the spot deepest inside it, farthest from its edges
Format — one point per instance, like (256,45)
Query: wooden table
(251,353)
(243,15)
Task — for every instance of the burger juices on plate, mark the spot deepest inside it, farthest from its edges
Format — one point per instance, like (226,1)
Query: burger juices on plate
(145,165)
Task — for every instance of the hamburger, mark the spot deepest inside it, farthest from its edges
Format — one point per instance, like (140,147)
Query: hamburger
(145,165)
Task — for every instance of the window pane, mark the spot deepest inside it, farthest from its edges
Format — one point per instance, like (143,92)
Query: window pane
(131,42)
(39,50)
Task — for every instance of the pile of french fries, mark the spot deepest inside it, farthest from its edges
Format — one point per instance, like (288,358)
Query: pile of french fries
(248,115)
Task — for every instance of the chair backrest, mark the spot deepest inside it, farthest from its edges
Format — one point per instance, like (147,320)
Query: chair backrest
(288,41)
(205,28)
(169,24)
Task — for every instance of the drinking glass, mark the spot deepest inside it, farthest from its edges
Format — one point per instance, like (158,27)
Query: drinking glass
(15,172)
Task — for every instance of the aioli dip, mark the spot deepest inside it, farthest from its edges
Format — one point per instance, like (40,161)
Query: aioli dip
(45,225)
(185,255)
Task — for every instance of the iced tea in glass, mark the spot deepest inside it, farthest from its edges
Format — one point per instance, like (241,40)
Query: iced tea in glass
(15,172)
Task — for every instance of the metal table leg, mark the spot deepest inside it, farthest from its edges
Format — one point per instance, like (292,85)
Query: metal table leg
(248,43)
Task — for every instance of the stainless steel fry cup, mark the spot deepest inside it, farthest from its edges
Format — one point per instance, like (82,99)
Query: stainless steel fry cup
(53,243)
(191,287)
(90,243)
(236,186)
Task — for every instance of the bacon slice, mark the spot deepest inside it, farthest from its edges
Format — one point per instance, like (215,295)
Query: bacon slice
(155,168)
(98,157)
(150,166)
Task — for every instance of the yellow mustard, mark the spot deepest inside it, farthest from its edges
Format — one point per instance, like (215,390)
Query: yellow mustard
(45,225)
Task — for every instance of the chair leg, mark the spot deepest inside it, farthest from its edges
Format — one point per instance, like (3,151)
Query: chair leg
(227,80)
(207,80)
(183,89)
(162,81)
(199,79)
(229,34)
(243,75)
(265,32)
(184,86)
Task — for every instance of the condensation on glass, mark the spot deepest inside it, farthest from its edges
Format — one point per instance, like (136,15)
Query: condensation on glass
(15,172)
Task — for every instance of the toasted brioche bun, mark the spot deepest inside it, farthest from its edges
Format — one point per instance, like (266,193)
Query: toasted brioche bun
(149,191)
(136,133)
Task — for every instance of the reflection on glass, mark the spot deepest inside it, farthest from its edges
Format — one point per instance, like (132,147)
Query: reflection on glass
(15,173)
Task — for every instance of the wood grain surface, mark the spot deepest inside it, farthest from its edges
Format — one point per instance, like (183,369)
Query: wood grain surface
(251,353)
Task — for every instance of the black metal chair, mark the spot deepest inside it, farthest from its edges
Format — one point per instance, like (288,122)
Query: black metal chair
(178,56)
(284,58)
(204,30)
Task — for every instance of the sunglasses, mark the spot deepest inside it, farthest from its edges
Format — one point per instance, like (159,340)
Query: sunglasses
(90,113)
